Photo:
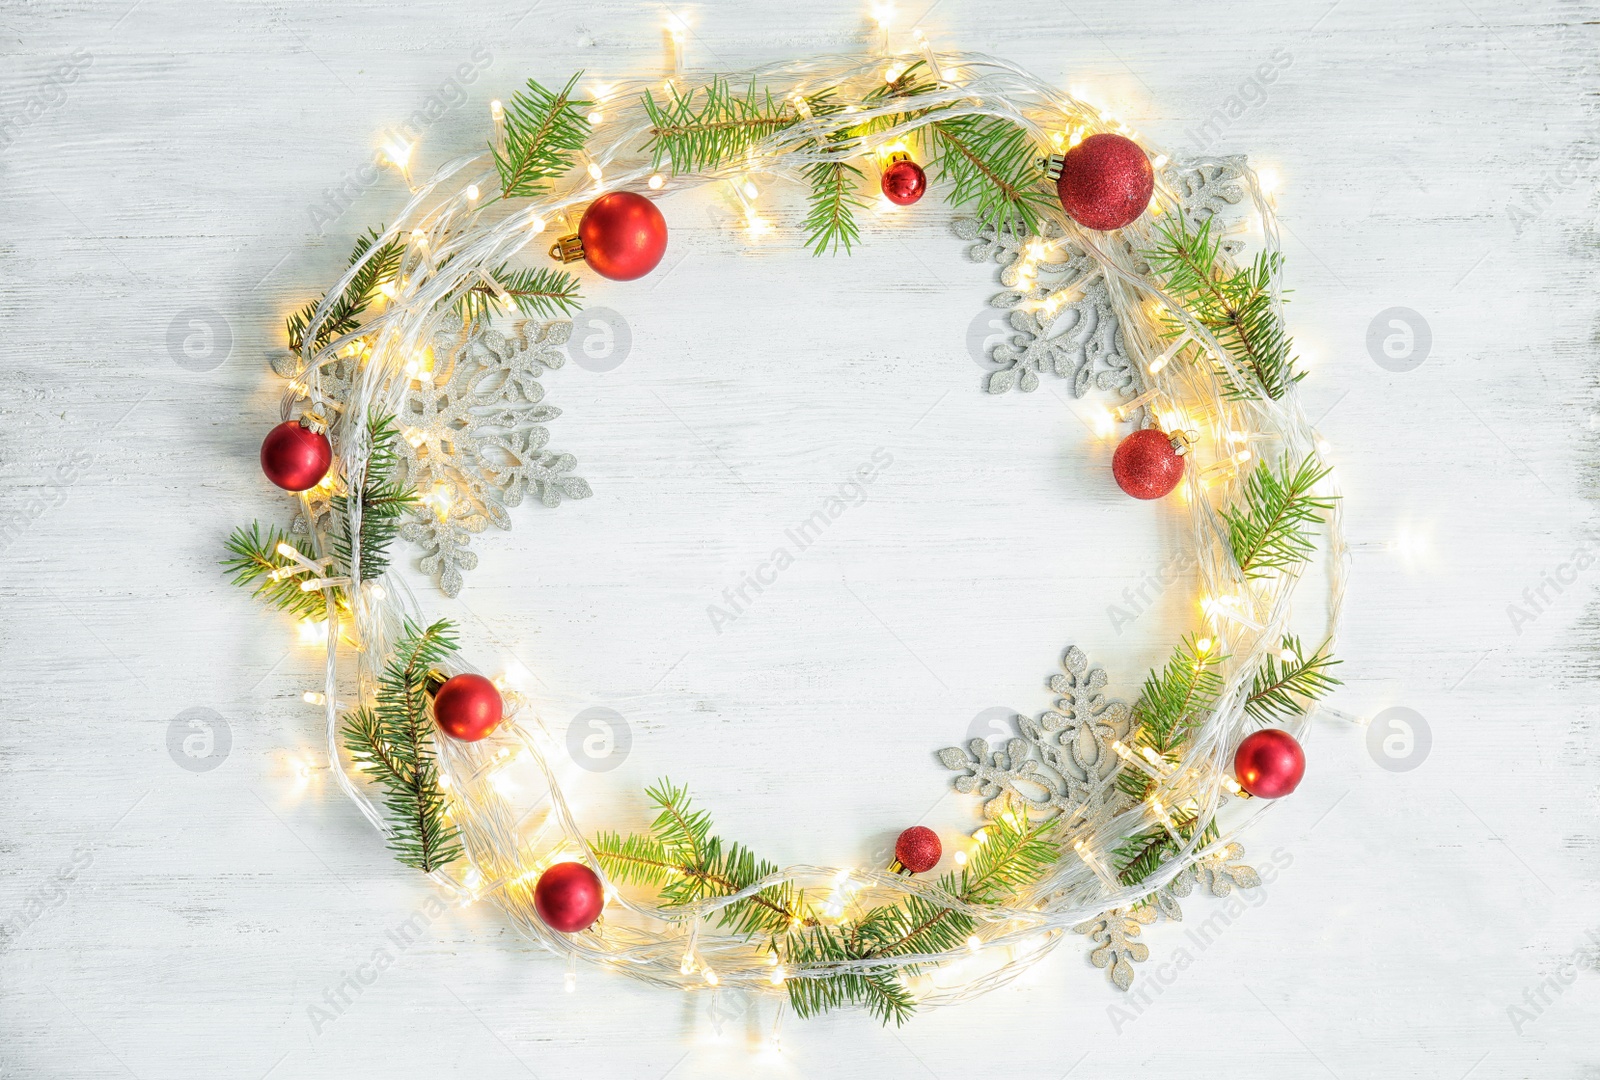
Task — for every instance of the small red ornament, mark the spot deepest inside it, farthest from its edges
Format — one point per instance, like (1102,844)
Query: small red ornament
(1148,464)
(903,181)
(917,850)
(622,236)
(1105,182)
(1269,764)
(569,897)
(294,457)
(467,707)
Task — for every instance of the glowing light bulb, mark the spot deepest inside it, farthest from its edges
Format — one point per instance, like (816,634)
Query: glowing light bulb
(595,172)
(596,116)
(536,226)
(961,858)
(570,982)
(656,181)
(472,192)
(974,942)
(496,109)
(399,153)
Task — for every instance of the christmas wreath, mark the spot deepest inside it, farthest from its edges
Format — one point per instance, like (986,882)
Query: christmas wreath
(414,410)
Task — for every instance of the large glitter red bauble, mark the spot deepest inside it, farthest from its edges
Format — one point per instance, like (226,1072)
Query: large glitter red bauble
(569,897)
(467,707)
(1269,764)
(294,457)
(1147,465)
(918,849)
(623,235)
(904,183)
(1106,182)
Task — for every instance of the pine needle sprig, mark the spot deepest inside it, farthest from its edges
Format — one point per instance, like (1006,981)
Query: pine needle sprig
(534,292)
(543,132)
(344,316)
(834,198)
(255,560)
(1271,532)
(384,502)
(392,741)
(1285,685)
(1178,698)
(992,166)
(1237,306)
(1014,855)
(686,863)
(707,128)
(1145,853)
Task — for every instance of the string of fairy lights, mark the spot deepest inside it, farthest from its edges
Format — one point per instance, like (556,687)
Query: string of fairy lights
(454,227)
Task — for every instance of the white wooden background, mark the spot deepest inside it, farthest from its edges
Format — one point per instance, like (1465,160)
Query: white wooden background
(1436,156)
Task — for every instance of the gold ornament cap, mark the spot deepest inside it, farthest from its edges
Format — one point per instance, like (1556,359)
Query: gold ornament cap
(567,249)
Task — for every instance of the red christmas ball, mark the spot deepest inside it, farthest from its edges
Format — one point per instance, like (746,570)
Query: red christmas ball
(294,457)
(569,897)
(467,707)
(1106,182)
(623,235)
(1147,465)
(918,849)
(1269,764)
(904,182)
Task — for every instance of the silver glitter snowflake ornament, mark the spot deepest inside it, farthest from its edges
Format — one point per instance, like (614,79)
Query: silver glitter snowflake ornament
(474,439)
(1062,764)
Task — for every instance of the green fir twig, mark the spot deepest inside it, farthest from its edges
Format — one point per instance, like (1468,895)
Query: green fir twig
(1284,685)
(544,129)
(1236,305)
(392,741)
(705,129)
(344,317)
(384,501)
(535,293)
(255,559)
(1273,531)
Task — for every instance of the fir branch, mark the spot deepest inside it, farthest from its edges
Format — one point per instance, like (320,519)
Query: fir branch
(1272,531)
(1177,698)
(344,316)
(833,200)
(1283,688)
(543,131)
(992,166)
(1014,854)
(534,292)
(686,864)
(707,128)
(1236,306)
(384,502)
(1144,854)
(393,741)
(255,559)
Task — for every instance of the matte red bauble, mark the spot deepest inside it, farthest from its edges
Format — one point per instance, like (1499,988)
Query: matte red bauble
(918,849)
(294,457)
(1269,764)
(623,235)
(1147,464)
(467,707)
(1106,182)
(903,181)
(569,897)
